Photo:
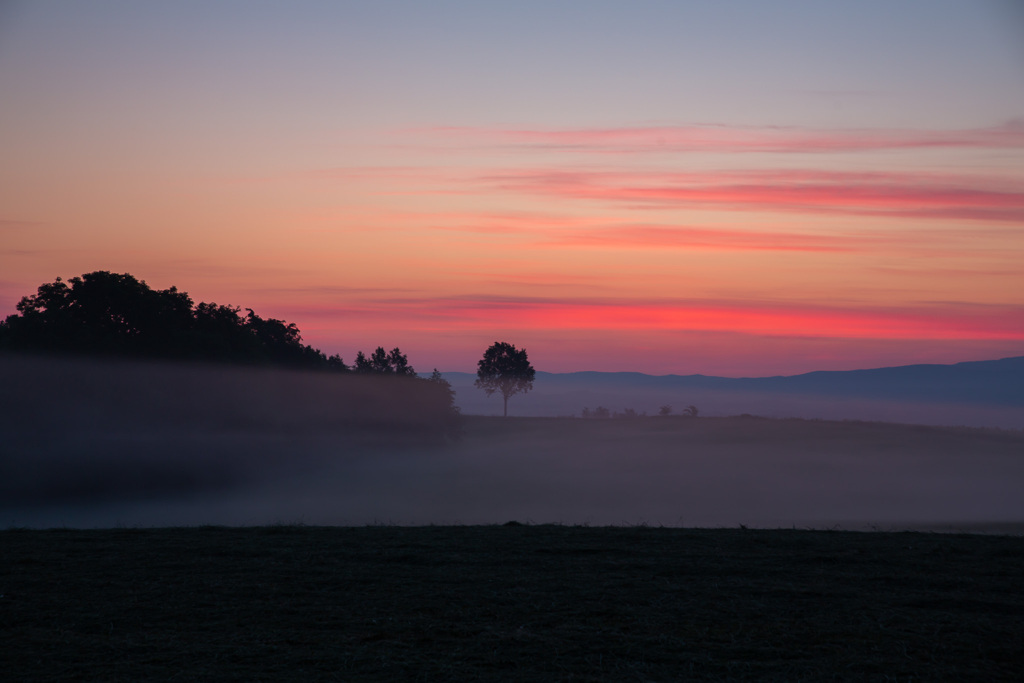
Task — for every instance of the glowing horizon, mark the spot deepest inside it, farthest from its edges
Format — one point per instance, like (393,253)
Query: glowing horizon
(790,207)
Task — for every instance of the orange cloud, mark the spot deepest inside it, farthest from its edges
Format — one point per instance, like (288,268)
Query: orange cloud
(658,237)
(546,230)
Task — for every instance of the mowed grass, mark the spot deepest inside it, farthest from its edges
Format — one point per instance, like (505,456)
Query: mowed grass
(510,603)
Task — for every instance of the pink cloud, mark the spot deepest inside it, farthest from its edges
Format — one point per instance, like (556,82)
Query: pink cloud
(885,194)
(604,231)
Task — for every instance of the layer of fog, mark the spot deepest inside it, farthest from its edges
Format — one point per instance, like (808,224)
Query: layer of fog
(262,450)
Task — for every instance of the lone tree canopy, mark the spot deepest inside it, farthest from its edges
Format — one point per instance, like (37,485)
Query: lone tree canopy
(504,369)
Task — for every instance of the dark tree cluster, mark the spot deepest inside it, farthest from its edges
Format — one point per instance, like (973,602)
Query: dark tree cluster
(601,412)
(117,315)
(112,314)
(383,362)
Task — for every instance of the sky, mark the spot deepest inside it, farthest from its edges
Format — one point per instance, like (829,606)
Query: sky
(734,188)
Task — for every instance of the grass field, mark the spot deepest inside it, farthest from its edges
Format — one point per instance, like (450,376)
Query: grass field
(512,602)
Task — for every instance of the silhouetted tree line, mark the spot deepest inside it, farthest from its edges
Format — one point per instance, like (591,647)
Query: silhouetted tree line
(383,362)
(112,314)
(117,315)
(688,411)
(602,413)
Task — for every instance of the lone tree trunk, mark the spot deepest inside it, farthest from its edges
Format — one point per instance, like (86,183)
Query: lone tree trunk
(505,396)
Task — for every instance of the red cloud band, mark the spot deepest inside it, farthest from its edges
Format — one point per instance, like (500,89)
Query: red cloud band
(495,313)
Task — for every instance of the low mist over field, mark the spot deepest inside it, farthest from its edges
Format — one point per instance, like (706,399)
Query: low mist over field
(99,443)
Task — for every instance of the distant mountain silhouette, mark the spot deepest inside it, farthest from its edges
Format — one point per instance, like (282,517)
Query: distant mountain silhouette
(984,393)
(998,382)
(995,382)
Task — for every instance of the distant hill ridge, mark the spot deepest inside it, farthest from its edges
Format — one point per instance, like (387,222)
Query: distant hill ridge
(978,393)
(1000,382)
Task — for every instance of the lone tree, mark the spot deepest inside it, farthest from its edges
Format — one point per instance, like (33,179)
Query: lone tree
(506,369)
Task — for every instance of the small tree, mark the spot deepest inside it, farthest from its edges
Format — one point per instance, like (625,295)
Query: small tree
(400,364)
(504,369)
(445,388)
(690,411)
(382,362)
(665,410)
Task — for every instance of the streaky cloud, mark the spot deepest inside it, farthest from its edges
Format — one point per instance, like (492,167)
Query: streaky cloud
(660,236)
(480,313)
(892,194)
(733,139)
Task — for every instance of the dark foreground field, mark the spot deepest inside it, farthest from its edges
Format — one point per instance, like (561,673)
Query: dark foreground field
(508,603)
